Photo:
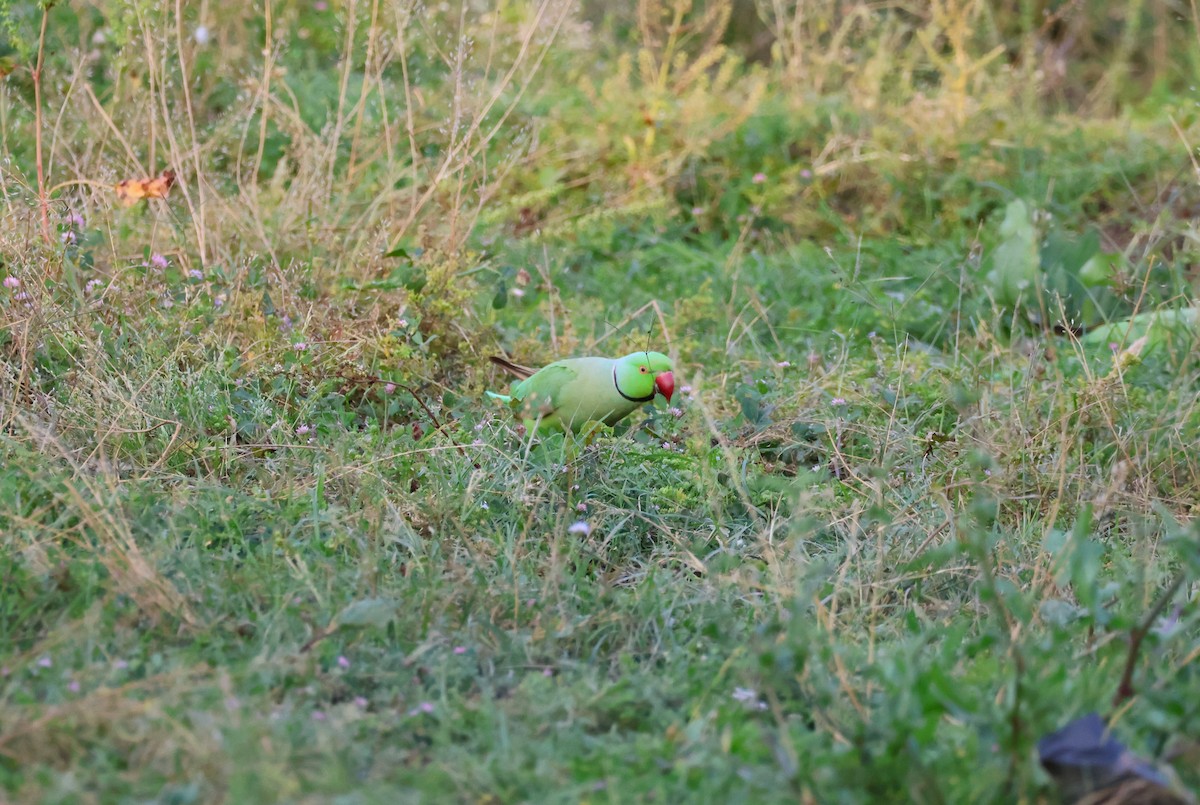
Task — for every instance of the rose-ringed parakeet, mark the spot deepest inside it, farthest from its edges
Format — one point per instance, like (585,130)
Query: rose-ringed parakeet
(568,394)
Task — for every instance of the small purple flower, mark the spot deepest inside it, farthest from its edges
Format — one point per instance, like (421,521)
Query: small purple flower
(343,662)
(686,389)
(76,220)
(748,697)
(120,665)
(300,346)
(518,292)
(11,282)
(1113,346)
(158,261)
(547,671)
(73,686)
(675,412)
(697,211)
(1168,625)
(93,284)
(477,443)
(423,707)
(837,401)
(666,445)
(460,649)
(390,388)
(783,364)
(196,274)
(21,296)
(318,715)
(361,702)
(44,661)
(580,527)
(320,5)
(303,429)
(758,178)
(69,237)
(580,507)
(806,174)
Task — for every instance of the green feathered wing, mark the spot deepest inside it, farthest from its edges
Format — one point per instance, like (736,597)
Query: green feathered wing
(541,396)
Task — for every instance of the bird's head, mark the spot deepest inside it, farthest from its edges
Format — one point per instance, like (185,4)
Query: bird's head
(651,371)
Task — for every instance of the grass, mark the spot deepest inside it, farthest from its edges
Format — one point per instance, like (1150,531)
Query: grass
(921,500)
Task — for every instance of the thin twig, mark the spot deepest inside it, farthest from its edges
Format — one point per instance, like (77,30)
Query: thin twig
(1125,689)
(43,201)
(437,423)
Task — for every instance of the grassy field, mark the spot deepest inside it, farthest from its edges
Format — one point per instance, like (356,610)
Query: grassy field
(927,492)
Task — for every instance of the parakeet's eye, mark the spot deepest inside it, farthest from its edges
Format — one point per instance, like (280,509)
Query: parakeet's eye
(643,369)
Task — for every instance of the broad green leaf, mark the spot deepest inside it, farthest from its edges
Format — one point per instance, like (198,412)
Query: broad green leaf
(1015,262)
(366,612)
(1159,327)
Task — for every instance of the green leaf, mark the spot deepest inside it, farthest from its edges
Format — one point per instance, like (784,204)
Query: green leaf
(1016,262)
(1058,612)
(1064,257)
(369,612)
(751,404)
(1098,269)
(1087,557)
(1054,541)
(1160,327)
(1014,599)
(405,250)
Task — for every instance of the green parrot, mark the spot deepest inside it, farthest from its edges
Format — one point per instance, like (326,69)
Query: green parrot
(568,394)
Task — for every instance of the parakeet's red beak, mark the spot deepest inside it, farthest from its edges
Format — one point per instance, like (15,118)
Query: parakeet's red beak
(665,383)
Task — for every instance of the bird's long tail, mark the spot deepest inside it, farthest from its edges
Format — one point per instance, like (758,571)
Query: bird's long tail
(516,369)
